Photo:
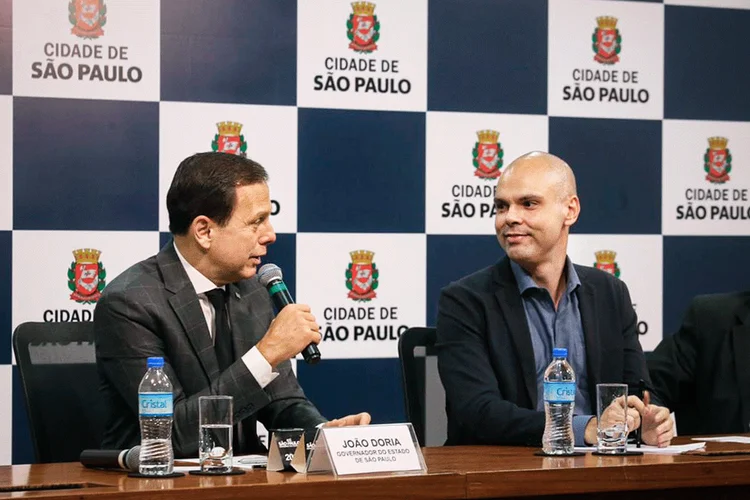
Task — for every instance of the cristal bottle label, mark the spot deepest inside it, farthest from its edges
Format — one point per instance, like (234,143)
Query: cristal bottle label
(155,404)
(559,392)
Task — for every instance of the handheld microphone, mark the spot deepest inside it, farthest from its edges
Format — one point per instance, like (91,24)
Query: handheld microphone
(112,459)
(270,277)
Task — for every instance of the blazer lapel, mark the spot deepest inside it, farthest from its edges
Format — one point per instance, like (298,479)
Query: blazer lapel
(239,318)
(185,305)
(741,348)
(251,322)
(512,308)
(589,321)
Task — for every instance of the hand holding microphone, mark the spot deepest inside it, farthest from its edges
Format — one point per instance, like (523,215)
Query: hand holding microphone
(294,329)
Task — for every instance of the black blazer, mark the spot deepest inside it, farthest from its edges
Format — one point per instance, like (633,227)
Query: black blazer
(152,309)
(702,372)
(486,359)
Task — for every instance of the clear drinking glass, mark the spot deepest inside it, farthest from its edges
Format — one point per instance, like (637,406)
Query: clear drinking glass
(215,433)
(611,418)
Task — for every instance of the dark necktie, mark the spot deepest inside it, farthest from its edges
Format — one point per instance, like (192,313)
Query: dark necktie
(222,332)
(225,356)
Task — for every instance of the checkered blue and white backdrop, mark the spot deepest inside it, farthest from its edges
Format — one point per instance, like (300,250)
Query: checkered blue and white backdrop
(384,127)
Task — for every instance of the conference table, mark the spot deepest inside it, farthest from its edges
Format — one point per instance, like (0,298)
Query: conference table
(453,472)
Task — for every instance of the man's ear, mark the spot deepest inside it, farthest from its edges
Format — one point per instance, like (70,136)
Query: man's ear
(201,230)
(572,210)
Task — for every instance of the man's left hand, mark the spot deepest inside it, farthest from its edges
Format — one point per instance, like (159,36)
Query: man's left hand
(358,419)
(657,425)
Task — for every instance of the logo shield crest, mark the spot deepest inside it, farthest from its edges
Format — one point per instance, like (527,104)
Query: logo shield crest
(88,17)
(717,161)
(363,27)
(86,276)
(488,155)
(229,139)
(606,40)
(605,260)
(362,276)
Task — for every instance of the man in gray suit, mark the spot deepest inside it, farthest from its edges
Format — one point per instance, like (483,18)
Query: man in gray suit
(198,304)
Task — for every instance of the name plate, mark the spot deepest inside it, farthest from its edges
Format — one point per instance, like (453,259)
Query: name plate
(364,449)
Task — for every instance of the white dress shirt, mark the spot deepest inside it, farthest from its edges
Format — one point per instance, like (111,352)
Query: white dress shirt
(253,359)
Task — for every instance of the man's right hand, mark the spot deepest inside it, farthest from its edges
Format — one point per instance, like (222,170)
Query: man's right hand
(613,414)
(290,332)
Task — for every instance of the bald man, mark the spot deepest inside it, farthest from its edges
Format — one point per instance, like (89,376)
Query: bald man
(496,328)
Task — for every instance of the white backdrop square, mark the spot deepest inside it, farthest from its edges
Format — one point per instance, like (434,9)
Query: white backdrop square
(697,202)
(731,4)
(117,56)
(630,85)
(459,196)
(368,327)
(637,262)
(42,260)
(387,74)
(266,134)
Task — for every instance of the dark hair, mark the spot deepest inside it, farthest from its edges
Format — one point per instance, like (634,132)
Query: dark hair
(205,184)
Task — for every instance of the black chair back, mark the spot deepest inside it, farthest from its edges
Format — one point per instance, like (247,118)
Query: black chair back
(57,364)
(413,370)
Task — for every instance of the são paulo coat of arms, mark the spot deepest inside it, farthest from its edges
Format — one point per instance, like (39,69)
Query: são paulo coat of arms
(362,276)
(605,260)
(363,27)
(488,155)
(606,40)
(86,276)
(717,161)
(88,17)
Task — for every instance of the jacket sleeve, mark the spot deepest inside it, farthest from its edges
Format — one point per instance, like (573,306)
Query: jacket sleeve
(672,364)
(473,396)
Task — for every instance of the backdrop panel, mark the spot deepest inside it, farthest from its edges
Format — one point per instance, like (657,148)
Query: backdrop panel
(384,127)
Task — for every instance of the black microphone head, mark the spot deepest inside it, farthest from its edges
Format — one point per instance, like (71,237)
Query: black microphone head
(268,273)
(133,458)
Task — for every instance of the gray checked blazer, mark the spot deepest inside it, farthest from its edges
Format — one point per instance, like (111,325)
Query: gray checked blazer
(152,309)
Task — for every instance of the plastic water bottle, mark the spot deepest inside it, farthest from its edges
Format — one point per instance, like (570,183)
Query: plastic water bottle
(559,401)
(155,412)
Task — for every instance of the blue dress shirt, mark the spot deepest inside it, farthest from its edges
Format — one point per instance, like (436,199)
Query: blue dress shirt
(551,328)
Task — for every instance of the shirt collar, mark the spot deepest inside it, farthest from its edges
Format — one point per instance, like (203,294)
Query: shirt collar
(199,282)
(526,282)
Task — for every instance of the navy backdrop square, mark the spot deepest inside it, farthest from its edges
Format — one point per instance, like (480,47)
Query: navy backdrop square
(283,253)
(451,257)
(361,171)
(617,164)
(164,238)
(6,285)
(706,68)
(487,56)
(6,47)
(22,450)
(239,51)
(98,169)
(697,265)
(340,387)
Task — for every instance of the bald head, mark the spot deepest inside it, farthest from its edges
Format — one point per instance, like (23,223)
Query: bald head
(554,169)
(535,206)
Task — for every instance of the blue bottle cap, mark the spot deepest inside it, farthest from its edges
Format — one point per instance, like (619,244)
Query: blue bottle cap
(560,352)
(155,362)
